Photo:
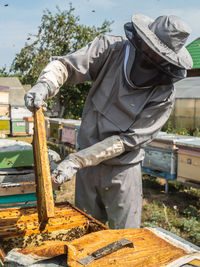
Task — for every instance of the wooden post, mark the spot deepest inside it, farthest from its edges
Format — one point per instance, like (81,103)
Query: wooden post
(45,202)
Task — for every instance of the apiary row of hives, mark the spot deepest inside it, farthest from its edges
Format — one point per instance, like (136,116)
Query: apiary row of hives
(63,131)
(174,157)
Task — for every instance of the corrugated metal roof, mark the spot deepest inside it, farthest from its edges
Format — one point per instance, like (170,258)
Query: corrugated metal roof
(188,88)
(194,50)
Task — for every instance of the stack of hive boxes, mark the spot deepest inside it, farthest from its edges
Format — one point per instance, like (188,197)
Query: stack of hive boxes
(173,157)
(4,110)
(189,161)
(18,123)
(70,130)
(64,131)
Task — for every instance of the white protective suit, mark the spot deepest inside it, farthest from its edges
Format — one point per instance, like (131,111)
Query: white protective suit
(112,190)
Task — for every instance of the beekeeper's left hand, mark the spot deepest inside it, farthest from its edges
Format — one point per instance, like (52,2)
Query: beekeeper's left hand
(64,171)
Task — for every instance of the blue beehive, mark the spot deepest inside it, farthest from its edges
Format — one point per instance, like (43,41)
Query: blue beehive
(161,155)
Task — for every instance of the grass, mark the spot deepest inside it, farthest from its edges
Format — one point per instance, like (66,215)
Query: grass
(178,211)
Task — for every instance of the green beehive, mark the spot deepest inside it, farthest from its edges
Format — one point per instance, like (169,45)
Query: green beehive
(18,127)
(15,154)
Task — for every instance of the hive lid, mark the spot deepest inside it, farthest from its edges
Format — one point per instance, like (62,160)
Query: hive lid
(7,145)
(4,118)
(173,138)
(152,247)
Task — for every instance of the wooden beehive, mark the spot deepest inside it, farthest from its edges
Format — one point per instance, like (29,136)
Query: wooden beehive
(189,166)
(70,130)
(4,110)
(56,129)
(75,235)
(4,95)
(15,154)
(19,112)
(4,125)
(18,127)
(20,227)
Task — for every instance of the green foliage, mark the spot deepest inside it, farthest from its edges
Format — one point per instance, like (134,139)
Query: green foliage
(3,72)
(58,35)
(168,128)
(6,73)
(73,97)
(196,132)
(177,212)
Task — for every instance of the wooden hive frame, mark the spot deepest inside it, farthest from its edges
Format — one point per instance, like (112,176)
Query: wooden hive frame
(44,191)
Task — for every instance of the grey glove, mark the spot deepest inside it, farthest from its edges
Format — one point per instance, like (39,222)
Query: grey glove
(36,95)
(65,171)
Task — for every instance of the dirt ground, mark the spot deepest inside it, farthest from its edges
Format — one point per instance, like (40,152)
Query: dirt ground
(153,190)
(66,192)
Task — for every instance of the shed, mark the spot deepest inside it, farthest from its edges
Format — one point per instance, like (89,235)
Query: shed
(16,95)
(186,111)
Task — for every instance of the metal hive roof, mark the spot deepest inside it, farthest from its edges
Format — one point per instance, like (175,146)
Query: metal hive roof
(194,50)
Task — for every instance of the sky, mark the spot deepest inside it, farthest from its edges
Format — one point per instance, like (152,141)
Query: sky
(19,18)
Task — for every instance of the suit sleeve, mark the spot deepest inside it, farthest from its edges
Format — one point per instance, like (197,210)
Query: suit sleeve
(85,64)
(78,67)
(149,122)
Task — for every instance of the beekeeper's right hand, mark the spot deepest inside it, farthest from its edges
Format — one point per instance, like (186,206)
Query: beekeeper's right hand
(52,77)
(36,96)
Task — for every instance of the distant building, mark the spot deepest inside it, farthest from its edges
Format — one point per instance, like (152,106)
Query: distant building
(17,90)
(194,50)
(186,111)
(16,96)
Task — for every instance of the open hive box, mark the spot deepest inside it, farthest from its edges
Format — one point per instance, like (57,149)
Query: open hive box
(73,236)
(20,228)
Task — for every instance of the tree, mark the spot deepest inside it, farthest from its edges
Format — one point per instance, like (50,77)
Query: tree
(58,34)
(3,72)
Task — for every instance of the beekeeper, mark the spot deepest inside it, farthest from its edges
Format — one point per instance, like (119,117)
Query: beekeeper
(130,100)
